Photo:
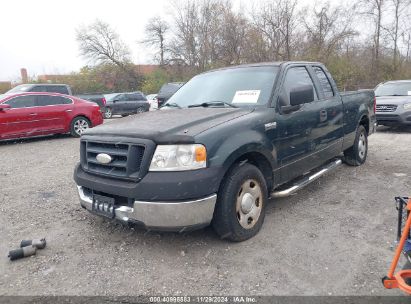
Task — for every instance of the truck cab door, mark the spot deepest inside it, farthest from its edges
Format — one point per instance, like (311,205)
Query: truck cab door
(296,123)
(328,139)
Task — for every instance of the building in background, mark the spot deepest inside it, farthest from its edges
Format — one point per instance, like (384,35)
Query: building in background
(5,86)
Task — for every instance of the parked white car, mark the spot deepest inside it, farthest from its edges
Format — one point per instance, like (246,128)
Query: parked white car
(152,99)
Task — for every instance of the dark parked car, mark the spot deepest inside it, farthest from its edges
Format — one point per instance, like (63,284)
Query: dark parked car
(38,114)
(125,104)
(229,140)
(41,87)
(96,98)
(167,90)
(394,103)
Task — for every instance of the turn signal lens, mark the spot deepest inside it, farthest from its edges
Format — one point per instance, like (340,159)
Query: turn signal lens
(201,154)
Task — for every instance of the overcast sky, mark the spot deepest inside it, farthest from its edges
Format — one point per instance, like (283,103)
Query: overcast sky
(40,35)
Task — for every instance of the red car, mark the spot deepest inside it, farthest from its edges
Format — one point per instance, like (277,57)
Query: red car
(38,114)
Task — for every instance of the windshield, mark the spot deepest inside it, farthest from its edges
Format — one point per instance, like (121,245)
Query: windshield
(20,88)
(239,86)
(393,89)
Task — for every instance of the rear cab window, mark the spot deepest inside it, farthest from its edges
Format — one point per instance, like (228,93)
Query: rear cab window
(324,82)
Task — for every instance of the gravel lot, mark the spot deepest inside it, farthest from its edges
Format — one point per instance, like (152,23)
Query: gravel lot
(332,238)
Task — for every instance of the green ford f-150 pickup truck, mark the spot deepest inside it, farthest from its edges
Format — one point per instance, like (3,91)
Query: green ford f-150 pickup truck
(223,144)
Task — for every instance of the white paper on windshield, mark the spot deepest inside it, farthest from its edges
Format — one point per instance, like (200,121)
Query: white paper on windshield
(409,92)
(249,96)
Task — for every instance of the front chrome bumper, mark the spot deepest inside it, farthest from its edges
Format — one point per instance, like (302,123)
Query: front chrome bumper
(178,216)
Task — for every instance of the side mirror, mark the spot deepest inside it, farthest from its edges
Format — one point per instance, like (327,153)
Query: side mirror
(301,95)
(4,107)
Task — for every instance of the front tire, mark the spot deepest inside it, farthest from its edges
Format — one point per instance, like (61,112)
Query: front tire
(79,125)
(357,154)
(108,113)
(240,208)
(140,110)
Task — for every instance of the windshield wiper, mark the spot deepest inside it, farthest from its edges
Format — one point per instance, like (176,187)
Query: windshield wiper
(172,105)
(212,103)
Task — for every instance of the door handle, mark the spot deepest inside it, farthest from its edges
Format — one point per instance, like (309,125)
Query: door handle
(33,114)
(69,110)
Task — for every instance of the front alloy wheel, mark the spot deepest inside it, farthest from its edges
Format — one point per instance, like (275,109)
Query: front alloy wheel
(108,113)
(79,125)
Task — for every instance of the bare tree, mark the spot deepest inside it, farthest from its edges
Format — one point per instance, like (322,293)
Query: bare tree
(375,9)
(327,29)
(406,38)
(400,7)
(156,30)
(233,36)
(277,21)
(100,43)
(184,46)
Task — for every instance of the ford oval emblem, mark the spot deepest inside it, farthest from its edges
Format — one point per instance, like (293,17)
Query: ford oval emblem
(104,158)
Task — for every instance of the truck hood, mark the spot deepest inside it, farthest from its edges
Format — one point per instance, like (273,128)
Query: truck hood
(393,100)
(169,126)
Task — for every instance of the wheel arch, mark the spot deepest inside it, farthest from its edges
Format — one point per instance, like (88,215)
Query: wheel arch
(256,158)
(365,122)
(81,115)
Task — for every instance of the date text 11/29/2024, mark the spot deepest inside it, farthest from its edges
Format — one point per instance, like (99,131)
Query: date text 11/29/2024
(202,299)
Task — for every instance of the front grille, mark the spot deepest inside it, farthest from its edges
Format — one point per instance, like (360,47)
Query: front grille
(386,108)
(126,158)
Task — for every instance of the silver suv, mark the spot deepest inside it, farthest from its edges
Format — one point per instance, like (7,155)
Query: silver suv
(394,103)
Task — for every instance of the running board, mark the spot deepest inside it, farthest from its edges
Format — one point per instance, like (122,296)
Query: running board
(304,181)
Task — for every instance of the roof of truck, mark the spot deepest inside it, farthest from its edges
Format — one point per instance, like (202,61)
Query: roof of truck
(269,63)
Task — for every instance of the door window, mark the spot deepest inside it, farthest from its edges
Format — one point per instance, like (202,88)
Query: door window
(39,88)
(58,89)
(325,83)
(121,97)
(46,100)
(135,96)
(295,78)
(22,101)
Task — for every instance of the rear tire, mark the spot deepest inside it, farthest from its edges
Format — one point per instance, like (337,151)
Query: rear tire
(108,113)
(240,208)
(78,125)
(357,154)
(140,110)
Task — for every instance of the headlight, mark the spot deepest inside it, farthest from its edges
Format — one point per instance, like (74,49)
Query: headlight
(407,106)
(179,158)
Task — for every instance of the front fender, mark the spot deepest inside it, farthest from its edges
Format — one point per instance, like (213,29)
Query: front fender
(226,152)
